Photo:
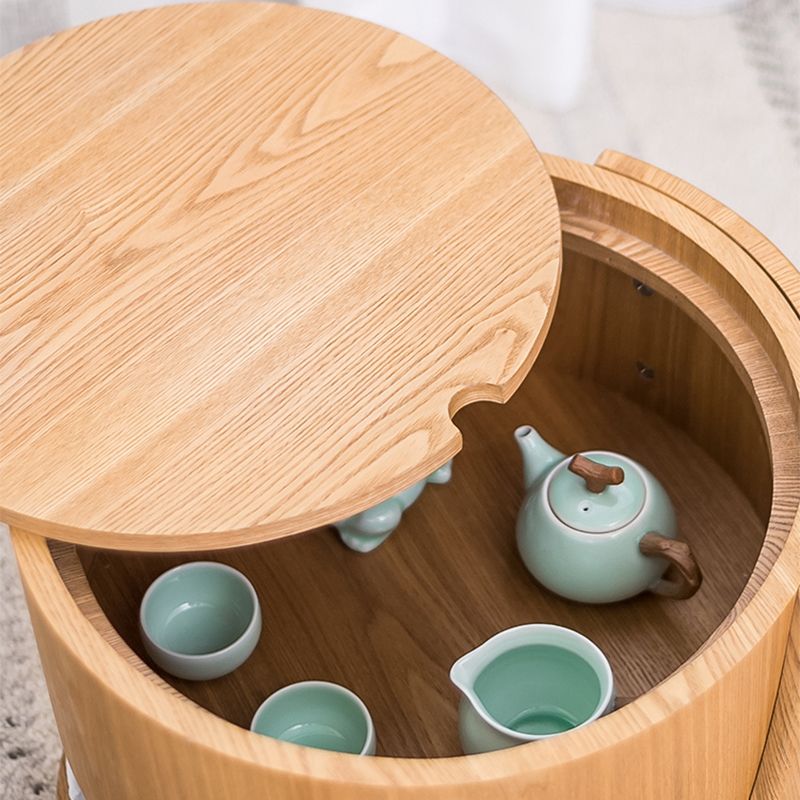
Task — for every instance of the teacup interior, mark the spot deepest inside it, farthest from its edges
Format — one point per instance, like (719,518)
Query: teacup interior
(315,715)
(539,689)
(197,610)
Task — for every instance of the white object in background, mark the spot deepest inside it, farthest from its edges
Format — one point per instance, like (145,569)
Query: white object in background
(423,20)
(537,53)
(80,12)
(73,790)
(533,52)
(684,7)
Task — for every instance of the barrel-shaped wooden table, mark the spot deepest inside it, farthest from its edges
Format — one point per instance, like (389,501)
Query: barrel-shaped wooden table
(675,339)
(303,311)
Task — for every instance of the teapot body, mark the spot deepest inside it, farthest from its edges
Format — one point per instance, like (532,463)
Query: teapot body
(596,566)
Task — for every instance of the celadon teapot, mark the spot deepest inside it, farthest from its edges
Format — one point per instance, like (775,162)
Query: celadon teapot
(597,527)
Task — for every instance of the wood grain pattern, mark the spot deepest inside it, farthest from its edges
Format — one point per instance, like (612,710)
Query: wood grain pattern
(779,774)
(784,274)
(253,259)
(737,358)
(687,236)
(631,355)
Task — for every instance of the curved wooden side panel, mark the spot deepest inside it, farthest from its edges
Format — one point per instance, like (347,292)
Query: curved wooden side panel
(128,739)
(772,261)
(779,774)
(714,254)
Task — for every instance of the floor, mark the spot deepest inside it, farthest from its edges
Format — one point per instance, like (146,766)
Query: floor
(714,99)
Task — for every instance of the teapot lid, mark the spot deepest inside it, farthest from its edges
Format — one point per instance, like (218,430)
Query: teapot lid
(604,507)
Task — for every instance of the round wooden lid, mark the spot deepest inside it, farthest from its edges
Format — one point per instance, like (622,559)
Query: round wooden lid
(252,260)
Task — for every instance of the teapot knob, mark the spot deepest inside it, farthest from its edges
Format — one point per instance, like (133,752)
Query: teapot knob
(597,476)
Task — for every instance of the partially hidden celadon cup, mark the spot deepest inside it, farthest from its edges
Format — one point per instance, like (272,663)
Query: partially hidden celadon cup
(317,714)
(528,683)
(200,620)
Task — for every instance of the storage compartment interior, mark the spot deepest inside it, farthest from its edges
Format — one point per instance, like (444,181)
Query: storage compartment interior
(622,369)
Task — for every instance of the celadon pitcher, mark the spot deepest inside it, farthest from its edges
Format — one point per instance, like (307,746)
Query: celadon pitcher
(597,527)
(371,528)
(527,683)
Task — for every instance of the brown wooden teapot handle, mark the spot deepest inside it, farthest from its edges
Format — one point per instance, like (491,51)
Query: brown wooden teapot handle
(687,578)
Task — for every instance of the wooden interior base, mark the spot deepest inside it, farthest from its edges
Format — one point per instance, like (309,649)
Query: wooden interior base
(390,624)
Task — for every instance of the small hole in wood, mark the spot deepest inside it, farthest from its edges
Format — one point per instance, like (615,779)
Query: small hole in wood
(642,288)
(648,373)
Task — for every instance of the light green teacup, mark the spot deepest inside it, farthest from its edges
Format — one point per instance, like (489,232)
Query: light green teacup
(527,683)
(317,714)
(200,620)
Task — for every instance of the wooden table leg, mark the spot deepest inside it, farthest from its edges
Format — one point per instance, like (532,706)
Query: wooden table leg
(779,775)
(61,785)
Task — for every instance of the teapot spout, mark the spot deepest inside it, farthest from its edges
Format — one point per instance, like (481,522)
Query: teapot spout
(538,457)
